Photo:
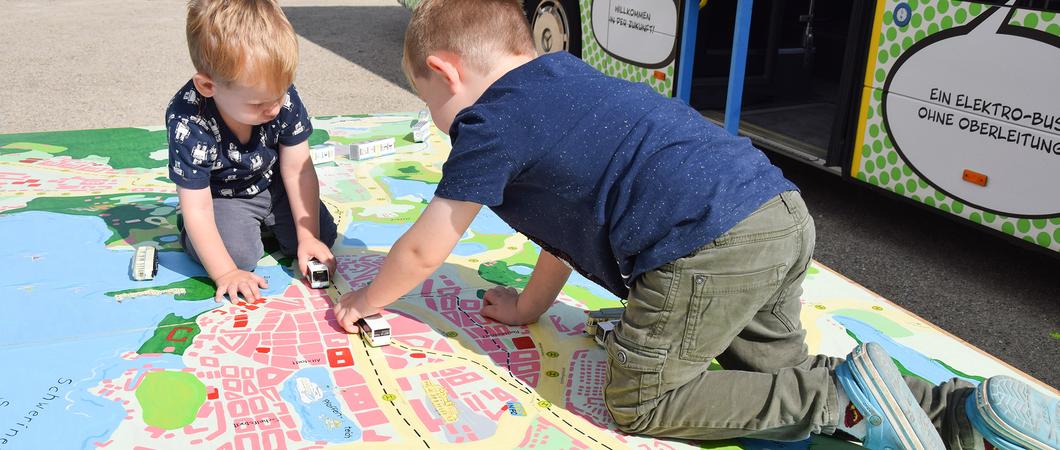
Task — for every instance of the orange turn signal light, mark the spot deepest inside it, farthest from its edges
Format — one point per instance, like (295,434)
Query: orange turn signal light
(974,177)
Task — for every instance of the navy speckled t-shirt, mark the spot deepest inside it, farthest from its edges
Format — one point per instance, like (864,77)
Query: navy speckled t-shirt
(204,152)
(603,173)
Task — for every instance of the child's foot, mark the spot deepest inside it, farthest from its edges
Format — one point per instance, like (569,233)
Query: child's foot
(1012,416)
(876,389)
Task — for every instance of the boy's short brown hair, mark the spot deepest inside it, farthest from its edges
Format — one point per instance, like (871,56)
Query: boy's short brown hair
(475,30)
(248,41)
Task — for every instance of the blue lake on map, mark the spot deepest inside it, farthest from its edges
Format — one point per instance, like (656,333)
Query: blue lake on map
(917,363)
(310,392)
(370,234)
(404,188)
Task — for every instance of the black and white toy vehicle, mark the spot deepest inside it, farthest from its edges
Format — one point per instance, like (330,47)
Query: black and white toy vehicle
(144,265)
(318,274)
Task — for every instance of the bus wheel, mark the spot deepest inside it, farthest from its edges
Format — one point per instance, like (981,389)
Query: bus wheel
(555,26)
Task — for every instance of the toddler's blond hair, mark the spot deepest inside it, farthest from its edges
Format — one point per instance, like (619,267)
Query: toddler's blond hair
(246,41)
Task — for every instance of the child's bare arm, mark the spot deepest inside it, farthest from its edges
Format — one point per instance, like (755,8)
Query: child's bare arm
(197,208)
(506,305)
(303,194)
(414,257)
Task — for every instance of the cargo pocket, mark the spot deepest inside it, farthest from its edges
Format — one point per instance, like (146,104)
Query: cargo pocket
(633,379)
(721,306)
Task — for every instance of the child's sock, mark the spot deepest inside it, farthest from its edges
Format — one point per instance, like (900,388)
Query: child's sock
(851,421)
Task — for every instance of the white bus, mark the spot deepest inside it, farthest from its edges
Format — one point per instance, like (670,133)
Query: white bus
(144,263)
(375,330)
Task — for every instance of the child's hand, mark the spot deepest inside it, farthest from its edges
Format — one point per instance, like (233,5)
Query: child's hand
(313,248)
(239,282)
(351,308)
(502,305)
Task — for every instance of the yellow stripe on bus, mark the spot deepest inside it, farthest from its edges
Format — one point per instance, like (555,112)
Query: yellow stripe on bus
(870,70)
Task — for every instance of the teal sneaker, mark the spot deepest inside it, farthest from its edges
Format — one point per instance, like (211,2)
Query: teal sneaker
(1013,416)
(876,388)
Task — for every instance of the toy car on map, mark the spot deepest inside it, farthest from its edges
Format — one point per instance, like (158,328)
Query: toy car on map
(144,264)
(319,276)
(374,330)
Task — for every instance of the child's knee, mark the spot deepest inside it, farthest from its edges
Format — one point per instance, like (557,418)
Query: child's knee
(245,254)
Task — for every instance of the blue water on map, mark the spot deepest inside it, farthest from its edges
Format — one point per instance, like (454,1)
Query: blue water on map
(402,188)
(481,425)
(70,370)
(319,404)
(59,325)
(488,222)
(56,274)
(521,270)
(370,234)
(917,363)
(468,248)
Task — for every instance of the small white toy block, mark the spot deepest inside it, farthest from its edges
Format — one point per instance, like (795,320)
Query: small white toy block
(372,149)
(322,153)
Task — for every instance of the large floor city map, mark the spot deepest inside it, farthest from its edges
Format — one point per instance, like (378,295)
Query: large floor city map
(93,359)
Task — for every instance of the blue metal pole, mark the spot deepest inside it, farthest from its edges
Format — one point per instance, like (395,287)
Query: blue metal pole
(687,51)
(734,98)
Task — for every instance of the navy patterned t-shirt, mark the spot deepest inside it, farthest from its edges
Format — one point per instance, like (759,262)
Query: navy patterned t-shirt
(204,152)
(605,174)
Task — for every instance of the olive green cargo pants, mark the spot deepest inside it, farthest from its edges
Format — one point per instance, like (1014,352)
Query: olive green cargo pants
(737,299)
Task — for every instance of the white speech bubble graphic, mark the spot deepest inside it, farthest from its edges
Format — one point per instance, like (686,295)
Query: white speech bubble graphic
(983,97)
(641,32)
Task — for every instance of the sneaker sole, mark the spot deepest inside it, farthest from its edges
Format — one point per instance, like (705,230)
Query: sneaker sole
(1001,397)
(905,421)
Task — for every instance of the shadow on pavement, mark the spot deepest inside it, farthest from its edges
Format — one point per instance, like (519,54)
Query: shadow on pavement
(369,36)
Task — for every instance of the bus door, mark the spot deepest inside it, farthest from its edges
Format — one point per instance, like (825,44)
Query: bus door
(805,61)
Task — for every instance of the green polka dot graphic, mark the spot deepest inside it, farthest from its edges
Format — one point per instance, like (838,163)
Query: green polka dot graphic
(884,155)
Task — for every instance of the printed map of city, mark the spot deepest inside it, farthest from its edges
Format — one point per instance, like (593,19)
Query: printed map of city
(92,359)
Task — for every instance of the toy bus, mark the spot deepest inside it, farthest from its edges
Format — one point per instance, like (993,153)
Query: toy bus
(319,275)
(374,330)
(144,264)
(601,315)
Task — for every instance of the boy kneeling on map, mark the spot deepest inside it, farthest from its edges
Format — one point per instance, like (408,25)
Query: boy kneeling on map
(707,241)
(228,127)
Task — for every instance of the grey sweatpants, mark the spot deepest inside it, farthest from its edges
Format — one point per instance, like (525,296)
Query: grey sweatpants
(240,221)
(737,300)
